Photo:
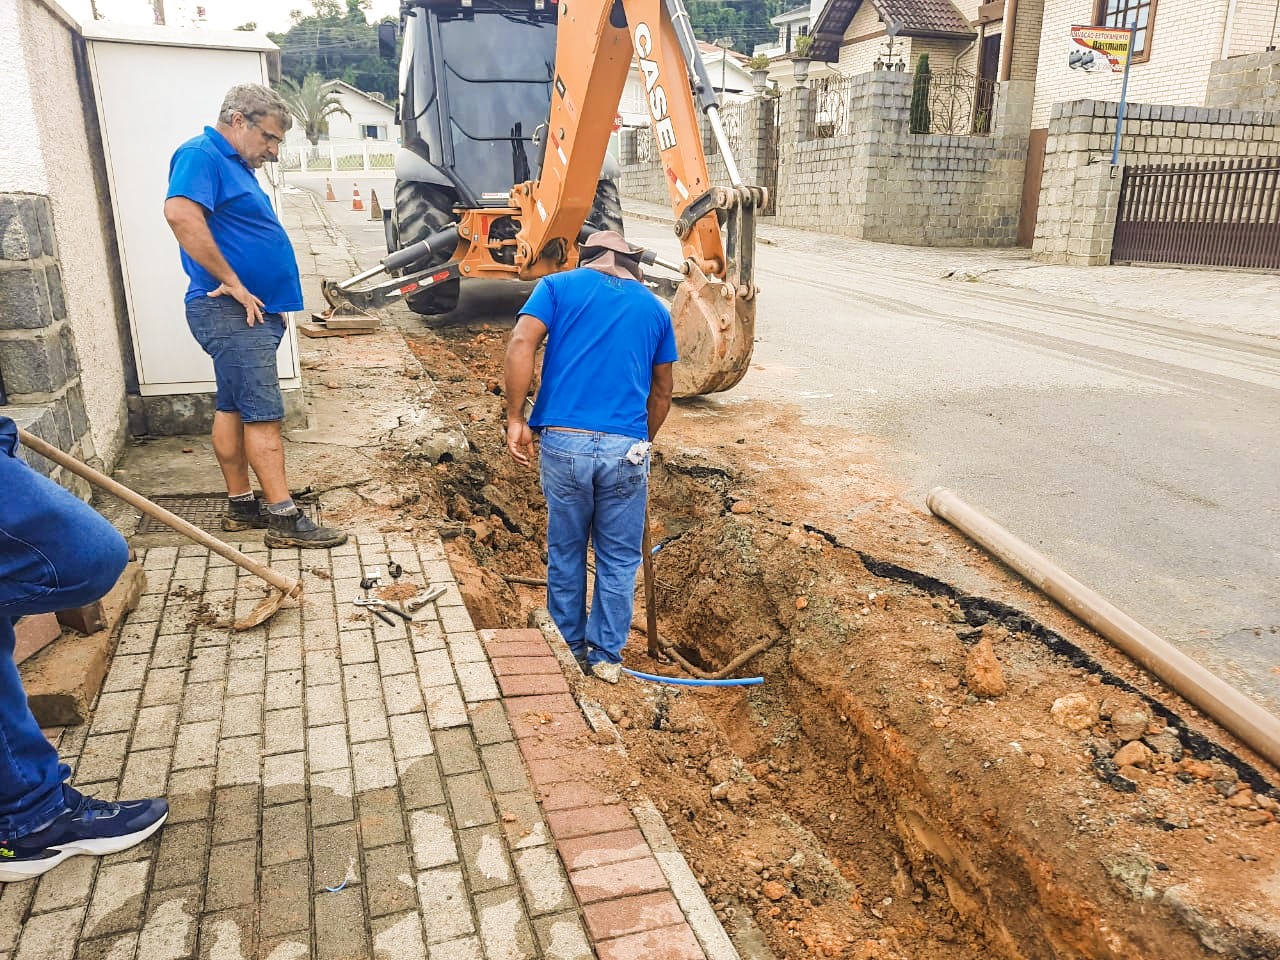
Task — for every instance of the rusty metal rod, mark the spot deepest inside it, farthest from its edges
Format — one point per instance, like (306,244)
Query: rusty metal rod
(1208,692)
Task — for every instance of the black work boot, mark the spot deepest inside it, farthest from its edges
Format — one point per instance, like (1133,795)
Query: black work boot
(245,515)
(298,530)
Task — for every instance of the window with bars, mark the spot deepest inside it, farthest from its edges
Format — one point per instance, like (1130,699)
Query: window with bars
(1122,13)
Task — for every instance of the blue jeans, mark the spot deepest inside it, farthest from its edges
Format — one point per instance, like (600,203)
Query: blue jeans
(593,492)
(244,357)
(55,553)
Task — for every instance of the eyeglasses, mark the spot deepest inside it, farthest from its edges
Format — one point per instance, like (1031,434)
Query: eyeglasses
(272,139)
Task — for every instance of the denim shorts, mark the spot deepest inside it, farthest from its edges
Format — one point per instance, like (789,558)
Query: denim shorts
(244,357)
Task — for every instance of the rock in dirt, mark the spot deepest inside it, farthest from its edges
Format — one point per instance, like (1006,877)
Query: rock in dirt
(1165,743)
(1075,711)
(1196,768)
(1130,722)
(720,769)
(742,506)
(735,794)
(982,671)
(773,890)
(1135,753)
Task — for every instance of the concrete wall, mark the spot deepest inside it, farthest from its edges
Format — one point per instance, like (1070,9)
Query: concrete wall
(1185,39)
(881,182)
(1078,195)
(878,181)
(62,282)
(1246,83)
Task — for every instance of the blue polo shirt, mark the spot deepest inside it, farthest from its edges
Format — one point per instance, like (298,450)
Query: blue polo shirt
(604,337)
(207,170)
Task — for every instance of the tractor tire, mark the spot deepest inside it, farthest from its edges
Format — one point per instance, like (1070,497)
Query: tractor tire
(421,210)
(606,212)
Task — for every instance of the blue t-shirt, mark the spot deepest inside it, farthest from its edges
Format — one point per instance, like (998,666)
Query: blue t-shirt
(604,337)
(207,170)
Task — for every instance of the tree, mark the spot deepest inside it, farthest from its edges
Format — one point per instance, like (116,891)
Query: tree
(336,42)
(920,116)
(249,27)
(312,102)
(747,21)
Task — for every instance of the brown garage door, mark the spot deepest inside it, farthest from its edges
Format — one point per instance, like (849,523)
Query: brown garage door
(1220,214)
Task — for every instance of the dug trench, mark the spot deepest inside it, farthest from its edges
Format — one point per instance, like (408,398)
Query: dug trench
(926,772)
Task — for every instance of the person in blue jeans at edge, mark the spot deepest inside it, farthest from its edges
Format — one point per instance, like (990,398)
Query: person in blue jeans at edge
(604,394)
(56,553)
(243,278)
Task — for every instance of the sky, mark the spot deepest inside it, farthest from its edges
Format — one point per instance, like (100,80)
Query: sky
(218,14)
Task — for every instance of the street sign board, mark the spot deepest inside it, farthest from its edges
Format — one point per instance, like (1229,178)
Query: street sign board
(1099,49)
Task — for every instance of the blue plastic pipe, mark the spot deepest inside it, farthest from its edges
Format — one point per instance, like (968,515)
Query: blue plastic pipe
(692,682)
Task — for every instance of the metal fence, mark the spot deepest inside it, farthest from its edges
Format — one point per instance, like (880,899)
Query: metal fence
(1220,214)
(832,106)
(335,156)
(960,103)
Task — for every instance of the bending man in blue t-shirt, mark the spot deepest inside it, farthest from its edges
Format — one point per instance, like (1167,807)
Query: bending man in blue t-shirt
(243,278)
(605,391)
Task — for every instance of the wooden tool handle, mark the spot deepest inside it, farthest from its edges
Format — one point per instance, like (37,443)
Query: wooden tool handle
(288,585)
(650,600)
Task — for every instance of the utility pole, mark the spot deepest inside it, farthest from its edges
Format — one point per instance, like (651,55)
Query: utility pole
(725,44)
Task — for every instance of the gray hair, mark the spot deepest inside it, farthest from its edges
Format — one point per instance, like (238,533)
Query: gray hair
(255,101)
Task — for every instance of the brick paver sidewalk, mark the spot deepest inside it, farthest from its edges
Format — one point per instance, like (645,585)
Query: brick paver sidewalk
(343,788)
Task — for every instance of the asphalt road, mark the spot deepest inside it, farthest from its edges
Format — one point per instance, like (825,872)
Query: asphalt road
(1137,451)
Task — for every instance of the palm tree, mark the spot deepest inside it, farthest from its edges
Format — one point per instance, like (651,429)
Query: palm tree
(312,102)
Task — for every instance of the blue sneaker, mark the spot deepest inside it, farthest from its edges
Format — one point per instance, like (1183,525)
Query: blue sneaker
(89,826)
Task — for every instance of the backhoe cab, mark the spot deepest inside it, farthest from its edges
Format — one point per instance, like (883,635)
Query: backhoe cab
(506,111)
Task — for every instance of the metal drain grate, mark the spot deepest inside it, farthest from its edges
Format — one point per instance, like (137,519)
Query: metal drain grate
(203,511)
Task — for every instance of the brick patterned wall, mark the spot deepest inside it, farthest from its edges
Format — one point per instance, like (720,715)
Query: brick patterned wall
(1186,39)
(856,58)
(1027,27)
(1246,83)
(1078,195)
(879,181)
(1252,26)
(643,180)
(38,357)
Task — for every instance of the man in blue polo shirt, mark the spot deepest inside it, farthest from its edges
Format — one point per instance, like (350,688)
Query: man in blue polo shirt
(605,392)
(243,278)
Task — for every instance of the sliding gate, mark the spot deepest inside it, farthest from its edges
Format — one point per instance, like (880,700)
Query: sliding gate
(1219,214)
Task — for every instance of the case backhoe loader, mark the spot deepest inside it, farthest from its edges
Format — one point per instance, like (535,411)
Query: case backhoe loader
(506,112)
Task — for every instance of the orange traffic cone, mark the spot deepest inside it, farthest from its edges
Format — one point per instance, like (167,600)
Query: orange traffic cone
(356,202)
(375,208)
(328,191)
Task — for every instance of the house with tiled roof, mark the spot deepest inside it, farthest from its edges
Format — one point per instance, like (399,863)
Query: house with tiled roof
(859,35)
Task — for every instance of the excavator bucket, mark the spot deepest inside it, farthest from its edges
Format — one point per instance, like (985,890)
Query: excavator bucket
(715,330)
(715,319)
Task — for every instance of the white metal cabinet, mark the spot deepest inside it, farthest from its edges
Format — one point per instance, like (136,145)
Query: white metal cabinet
(156,88)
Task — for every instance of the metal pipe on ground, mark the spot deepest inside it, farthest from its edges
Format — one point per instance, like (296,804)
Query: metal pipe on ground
(1254,726)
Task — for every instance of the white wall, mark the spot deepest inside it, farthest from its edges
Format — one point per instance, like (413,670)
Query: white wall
(44,149)
(363,111)
(22,167)
(1185,40)
(1252,26)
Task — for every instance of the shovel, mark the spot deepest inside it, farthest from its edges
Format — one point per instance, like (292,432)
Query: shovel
(284,586)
